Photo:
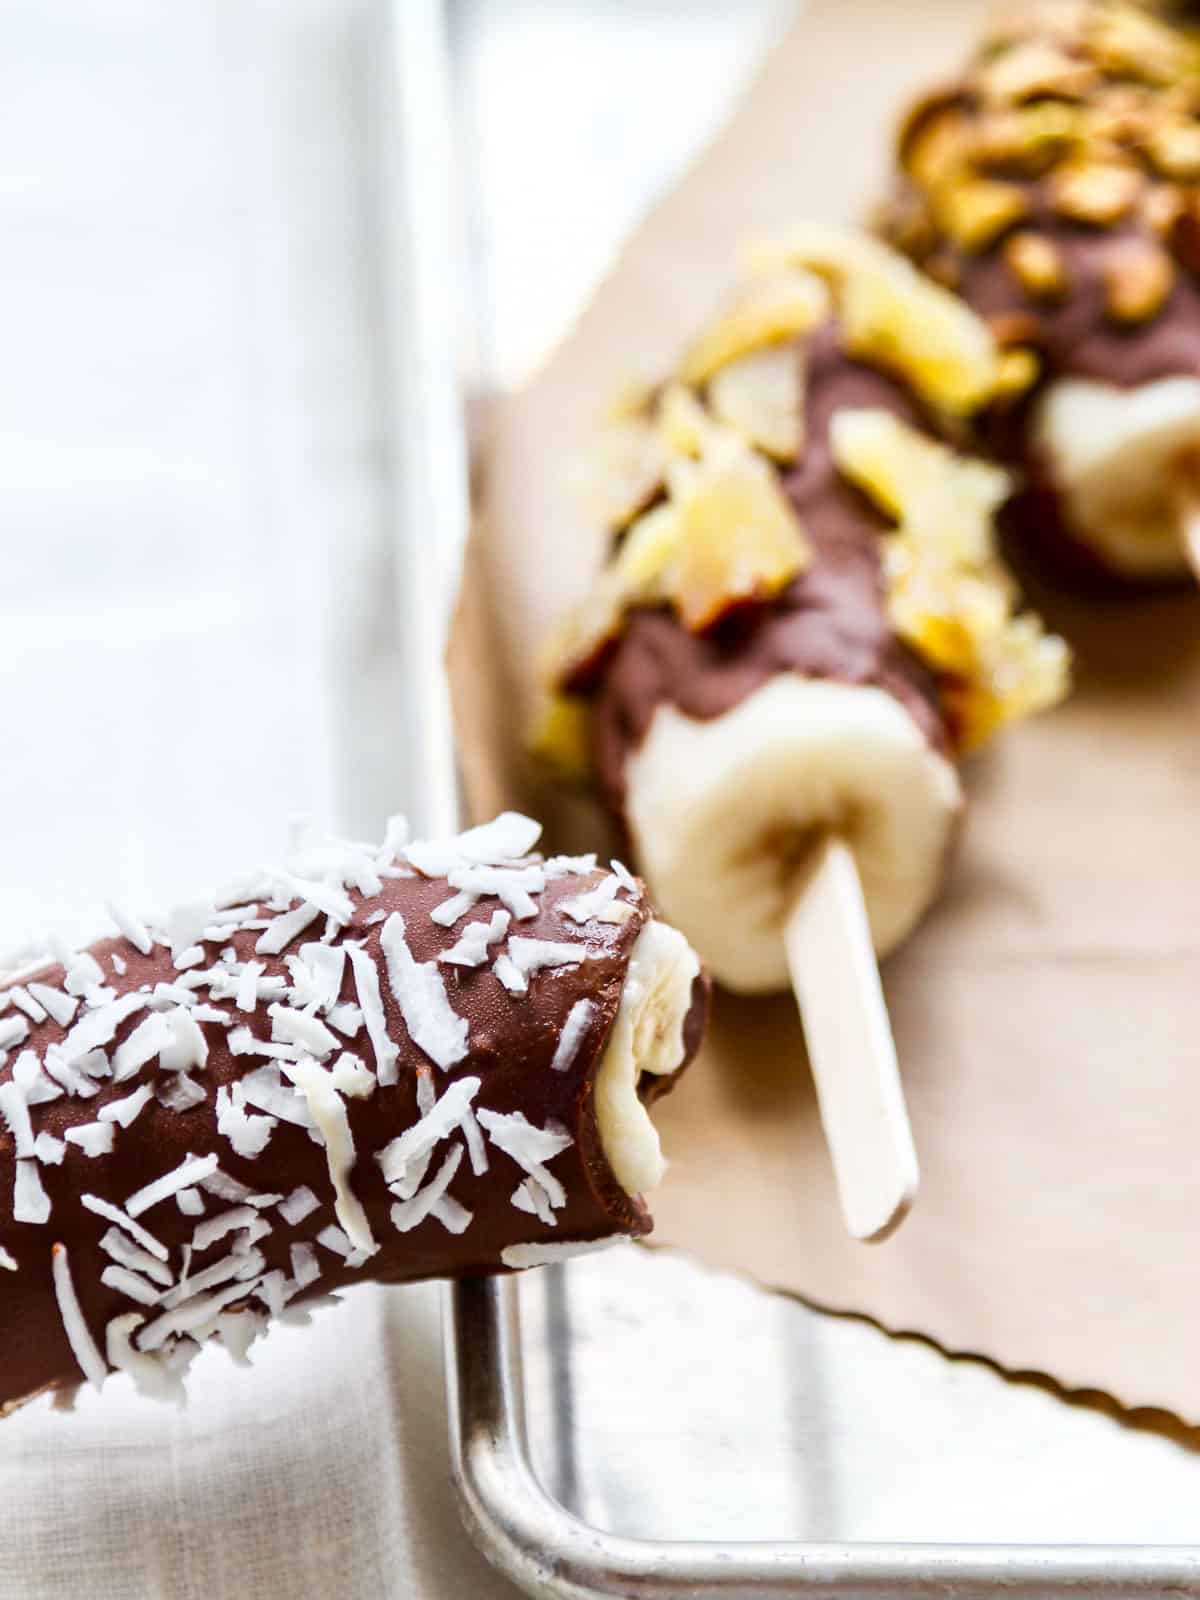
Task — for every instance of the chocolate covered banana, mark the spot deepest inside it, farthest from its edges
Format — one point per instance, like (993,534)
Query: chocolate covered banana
(431,1059)
(1056,186)
(802,621)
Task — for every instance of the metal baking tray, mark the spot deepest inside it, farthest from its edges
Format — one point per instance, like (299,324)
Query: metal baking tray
(633,1424)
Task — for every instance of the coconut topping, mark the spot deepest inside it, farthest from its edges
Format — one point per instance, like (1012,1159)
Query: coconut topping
(420,992)
(24,1001)
(301,1203)
(253,1024)
(31,1203)
(187,1173)
(472,948)
(525,956)
(329,1116)
(127,1107)
(83,1346)
(541,1255)
(574,1031)
(366,981)
(58,1005)
(93,1138)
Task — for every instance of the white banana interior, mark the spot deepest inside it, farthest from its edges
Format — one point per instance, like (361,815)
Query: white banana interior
(1120,460)
(724,814)
(647,1036)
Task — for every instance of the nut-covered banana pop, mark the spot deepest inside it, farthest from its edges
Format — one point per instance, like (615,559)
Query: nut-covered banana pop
(428,1060)
(1056,186)
(801,624)
(803,620)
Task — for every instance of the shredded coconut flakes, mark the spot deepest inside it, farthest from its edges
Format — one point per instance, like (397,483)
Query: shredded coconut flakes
(302,1202)
(83,1346)
(572,1036)
(329,1114)
(189,1171)
(366,981)
(420,992)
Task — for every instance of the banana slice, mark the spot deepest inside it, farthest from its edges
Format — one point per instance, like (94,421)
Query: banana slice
(724,813)
(647,1036)
(1120,461)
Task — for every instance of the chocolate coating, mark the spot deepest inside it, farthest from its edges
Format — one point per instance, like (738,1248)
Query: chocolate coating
(830,622)
(512,1039)
(1076,338)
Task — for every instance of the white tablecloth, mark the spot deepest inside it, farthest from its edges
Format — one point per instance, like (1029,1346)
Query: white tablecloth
(321,1471)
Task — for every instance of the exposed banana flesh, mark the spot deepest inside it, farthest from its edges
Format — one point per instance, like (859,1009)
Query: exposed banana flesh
(724,813)
(647,1036)
(1121,460)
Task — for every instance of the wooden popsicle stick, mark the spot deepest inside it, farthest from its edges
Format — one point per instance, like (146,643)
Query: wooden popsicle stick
(836,983)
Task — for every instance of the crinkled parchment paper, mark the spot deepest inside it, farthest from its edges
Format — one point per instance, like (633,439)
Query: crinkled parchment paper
(1047,1012)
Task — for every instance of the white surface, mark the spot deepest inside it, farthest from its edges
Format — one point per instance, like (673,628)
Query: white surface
(320,1472)
(192,443)
(197,640)
(577,115)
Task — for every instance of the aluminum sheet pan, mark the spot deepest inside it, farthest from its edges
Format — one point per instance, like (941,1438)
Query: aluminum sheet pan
(656,1429)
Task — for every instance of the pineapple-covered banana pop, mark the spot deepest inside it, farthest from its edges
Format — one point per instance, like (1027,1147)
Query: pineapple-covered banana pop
(1056,186)
(802,622)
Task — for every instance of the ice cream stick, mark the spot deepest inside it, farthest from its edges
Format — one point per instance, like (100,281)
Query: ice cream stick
(850,1046)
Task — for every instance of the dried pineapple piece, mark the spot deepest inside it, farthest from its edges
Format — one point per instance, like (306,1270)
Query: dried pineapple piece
(685,427)
(996,666)
(766,312)
(622,474)
(648,551)
(739,538)
(908,474)
(892,315)
(761,396)
(831,251)
(558,733)
(948,596)
(634,576)
(725,534)
(1029,671)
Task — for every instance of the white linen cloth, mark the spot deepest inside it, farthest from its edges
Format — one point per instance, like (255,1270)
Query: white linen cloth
(321,1471)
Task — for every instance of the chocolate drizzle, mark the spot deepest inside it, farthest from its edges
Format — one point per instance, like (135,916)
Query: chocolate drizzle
(828,623)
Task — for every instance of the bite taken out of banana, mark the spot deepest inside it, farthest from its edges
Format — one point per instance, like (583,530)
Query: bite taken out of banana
(1055,185)
(802,621)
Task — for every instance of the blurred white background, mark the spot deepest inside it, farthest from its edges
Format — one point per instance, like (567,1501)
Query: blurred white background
(197,636)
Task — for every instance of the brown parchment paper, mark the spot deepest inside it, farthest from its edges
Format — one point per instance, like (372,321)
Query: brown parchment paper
(1046,1013)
